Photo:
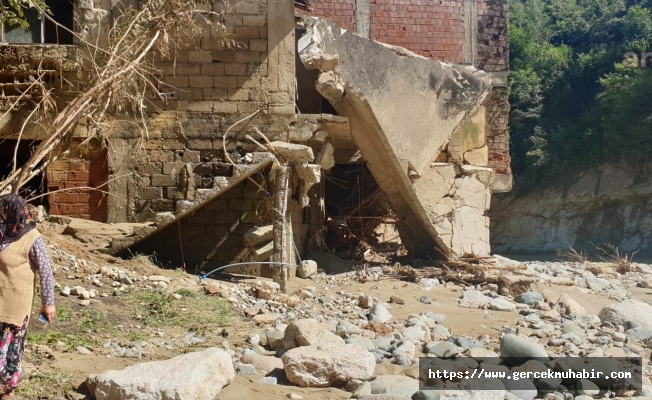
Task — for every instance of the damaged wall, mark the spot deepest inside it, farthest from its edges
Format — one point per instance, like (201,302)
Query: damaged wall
(459,31)
(403,110)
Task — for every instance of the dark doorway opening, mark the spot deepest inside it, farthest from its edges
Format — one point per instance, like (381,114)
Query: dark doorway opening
(63,13)
(35,187)
(359,214)
(309,100)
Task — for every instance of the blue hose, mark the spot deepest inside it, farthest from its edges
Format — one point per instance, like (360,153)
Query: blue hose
(245,263)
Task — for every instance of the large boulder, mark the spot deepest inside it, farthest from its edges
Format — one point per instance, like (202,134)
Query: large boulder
(397,385)
(632,311)
(517,349)
(309,331)
(328,364)
(192,376)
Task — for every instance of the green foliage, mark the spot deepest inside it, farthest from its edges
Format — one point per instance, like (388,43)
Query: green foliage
(12,12)
(573,103)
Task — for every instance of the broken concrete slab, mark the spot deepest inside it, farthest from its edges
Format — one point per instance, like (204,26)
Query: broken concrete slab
(293,152)
(309,173)
(326,157)
(403,110)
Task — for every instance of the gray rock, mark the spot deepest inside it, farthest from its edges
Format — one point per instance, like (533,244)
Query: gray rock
(586,387)
(426,395)
(379,314)
(83,350)
(397,385)
(245,369)
(198,376)
(438,318)
(347,328)
(424,300)
(583,397)
(634,311)
(363,389)
(268,380)
(362,341)
(384,343)
(597,284)
(442,349)
(529,298)
(470,343)
(513,346)
(440,333)
(639,334)
(306,269)
(474,299)
(502,304)
(574,329)
(404,354)
(524,389)
(414,333)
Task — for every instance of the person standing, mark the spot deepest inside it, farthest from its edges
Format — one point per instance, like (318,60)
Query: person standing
(22,254)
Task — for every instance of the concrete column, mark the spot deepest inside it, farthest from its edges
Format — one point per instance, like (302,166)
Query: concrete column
(281,47)
(470,32)
(363,18)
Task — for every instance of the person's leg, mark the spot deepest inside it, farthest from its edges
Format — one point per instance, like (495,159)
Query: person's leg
(15,343)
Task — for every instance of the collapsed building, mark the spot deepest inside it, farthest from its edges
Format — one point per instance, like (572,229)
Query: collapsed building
(387,147)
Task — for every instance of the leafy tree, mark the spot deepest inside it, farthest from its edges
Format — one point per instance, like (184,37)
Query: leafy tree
(12,12)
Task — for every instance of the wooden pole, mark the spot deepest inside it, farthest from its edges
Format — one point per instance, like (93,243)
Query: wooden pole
(280,210)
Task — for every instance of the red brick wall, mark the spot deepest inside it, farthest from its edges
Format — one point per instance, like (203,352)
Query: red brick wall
(431,30)
(340,11)
(434,31)
(86,169)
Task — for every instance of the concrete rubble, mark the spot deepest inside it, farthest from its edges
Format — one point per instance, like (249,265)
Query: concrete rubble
(407,112)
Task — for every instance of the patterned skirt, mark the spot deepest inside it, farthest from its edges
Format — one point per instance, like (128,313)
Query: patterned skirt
(12,344)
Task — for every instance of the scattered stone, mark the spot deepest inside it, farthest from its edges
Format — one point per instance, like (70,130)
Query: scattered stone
(424,300)
(197,376)
(404,354)
(83,350)
(567,306)
(502,304)
(521,347)
(442,349)
(365,301)
(396,300)
(306,332)
(529,298)
(268,380)
(426,395)
(294,396)
(307,268)
(474,299)
(379,314)
(328,364)
(261,362)
(396,385)
(629,311)
(65,291)
(265,319)
(245,369)
(587,388)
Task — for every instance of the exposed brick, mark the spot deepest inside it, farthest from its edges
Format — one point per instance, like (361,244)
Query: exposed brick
(225,107)
(200,56)
(163,180)
(212,69)
(247,32)
(201,106)
(225,82)
(200,81)
(150,193)
(191,94)
(200,144)
(172,168)
(215,94)
(231,69)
